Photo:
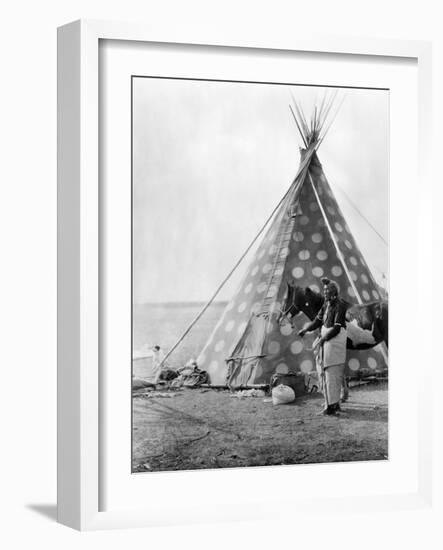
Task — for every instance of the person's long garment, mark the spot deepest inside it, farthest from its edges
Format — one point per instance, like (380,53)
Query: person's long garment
(331,358)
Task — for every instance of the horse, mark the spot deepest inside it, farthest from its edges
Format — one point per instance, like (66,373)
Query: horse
(367,324)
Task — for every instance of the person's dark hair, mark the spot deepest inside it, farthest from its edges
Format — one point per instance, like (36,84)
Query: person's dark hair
(157,348)
(330,284)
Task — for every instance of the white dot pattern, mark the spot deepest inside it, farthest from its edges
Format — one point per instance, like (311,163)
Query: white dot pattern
(282,368)
(354,364)
(336,271)
(229,325)
(306,365)
(307,255)
(297,347)
(219,345)
(298,236)
(298,272)
(261,288)
(286,329)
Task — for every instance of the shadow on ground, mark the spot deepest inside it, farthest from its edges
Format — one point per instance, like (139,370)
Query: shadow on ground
(49,511)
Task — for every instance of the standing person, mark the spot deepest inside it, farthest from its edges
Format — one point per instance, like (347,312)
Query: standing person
(157,362)
(331,345)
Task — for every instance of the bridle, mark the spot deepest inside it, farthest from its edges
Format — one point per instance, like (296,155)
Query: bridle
(291,309)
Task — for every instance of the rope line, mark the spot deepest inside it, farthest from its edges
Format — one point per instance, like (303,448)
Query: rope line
(334,241)
(254,240)
(361,214)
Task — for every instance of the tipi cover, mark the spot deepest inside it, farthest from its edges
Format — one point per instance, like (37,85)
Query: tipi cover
(307,239)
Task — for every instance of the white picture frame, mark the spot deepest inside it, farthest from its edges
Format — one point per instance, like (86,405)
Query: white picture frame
(79,391)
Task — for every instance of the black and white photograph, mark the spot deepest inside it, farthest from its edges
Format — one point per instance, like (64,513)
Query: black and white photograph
(222,265)
(260,274)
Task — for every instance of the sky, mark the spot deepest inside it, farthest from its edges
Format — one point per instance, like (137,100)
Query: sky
(211,160)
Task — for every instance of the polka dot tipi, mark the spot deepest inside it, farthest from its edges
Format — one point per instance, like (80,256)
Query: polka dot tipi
(308,239)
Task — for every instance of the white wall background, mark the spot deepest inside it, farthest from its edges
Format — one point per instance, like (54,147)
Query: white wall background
(28,275)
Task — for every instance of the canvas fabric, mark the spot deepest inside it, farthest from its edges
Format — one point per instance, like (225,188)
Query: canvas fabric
(297,246)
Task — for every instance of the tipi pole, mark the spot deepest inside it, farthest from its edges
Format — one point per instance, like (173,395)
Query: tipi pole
(298,126)
(341,258)
(339,252)
(205,307)
(331,123)
(327,111)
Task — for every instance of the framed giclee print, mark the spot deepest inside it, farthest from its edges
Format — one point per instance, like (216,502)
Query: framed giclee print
(231,236)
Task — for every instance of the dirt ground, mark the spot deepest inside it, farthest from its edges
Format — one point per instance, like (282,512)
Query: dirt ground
(207,428)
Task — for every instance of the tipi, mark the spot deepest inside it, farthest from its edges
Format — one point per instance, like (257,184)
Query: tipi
(307,239)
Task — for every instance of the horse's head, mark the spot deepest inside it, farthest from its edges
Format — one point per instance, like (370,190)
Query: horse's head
(292,302)
(286,308)
(299,300)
